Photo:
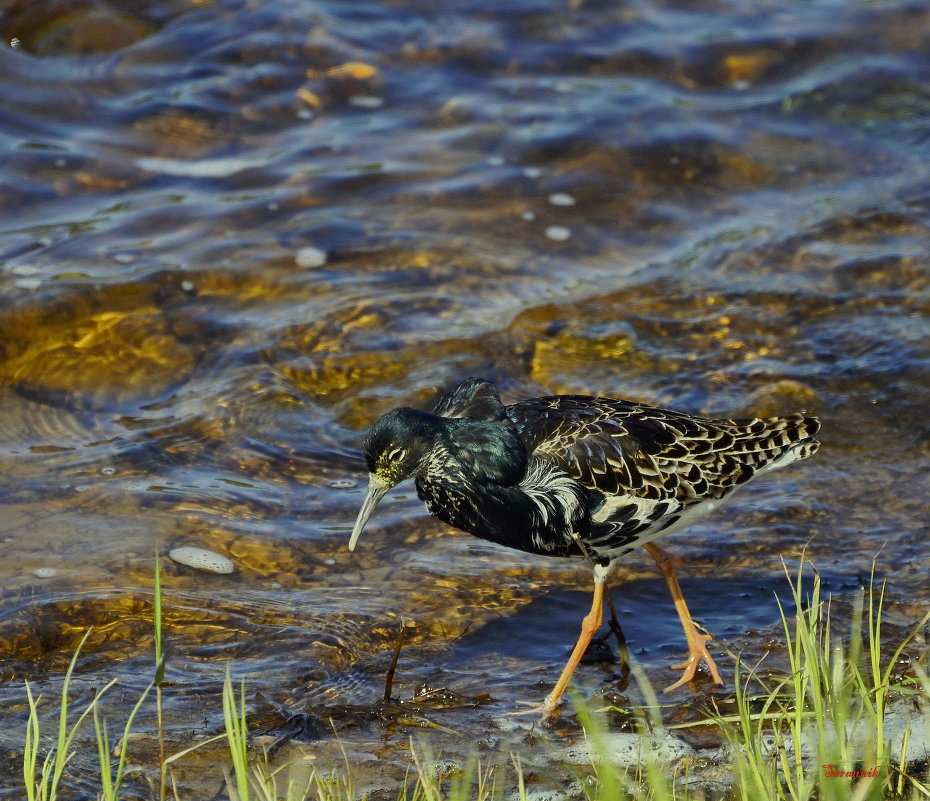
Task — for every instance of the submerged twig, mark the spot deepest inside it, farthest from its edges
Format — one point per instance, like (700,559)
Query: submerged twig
(389,677)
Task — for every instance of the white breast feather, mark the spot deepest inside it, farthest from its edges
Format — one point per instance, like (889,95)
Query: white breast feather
(551,491)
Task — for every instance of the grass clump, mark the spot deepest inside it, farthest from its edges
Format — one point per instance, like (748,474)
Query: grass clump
(828,715)
(42,777)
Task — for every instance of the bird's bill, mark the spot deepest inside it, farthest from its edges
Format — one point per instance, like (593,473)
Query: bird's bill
(377,489)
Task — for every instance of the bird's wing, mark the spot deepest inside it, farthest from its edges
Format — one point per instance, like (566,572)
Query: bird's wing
(474,398)
(619,447)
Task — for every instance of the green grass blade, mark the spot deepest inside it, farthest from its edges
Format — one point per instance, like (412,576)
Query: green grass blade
(235,721)
(31,747)
(157,622)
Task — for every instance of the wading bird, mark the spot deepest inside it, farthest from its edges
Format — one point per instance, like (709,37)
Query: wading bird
(572,475)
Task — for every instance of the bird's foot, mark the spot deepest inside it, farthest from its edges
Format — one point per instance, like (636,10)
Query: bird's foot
(697,653)
(548,710)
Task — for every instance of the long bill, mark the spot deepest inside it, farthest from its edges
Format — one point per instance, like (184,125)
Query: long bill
(377,489)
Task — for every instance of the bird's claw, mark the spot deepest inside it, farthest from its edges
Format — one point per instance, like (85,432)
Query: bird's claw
(547,710)
(697,653)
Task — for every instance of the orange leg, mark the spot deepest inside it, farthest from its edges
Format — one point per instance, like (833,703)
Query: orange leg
(697,643)
(589,625)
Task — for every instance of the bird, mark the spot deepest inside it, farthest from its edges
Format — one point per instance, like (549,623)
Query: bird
(576,476)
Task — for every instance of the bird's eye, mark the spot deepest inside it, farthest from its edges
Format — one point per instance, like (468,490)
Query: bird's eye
(397,454)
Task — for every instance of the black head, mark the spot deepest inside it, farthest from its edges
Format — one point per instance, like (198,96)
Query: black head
(396,448)
(398,444)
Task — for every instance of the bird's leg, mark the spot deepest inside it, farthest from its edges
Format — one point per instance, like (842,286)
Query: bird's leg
(614,629)
(697,642)
(614,622)
(589,625)
(623,652)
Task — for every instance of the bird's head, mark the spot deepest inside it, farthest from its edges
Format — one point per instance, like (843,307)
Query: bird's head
(396,448)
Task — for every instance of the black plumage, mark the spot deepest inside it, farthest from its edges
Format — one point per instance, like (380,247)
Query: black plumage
(572,475)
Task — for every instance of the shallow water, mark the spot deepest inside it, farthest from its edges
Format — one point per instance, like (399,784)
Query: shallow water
(235,233)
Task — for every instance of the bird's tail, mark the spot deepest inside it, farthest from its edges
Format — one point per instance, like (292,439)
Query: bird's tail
(777,441)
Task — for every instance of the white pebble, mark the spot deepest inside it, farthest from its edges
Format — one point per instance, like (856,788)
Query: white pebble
(532,172)
(558,233)
(496,161)
(187,286)
(310,257)
(528,215)
(44,572)
(201,559)
(124,258)
(24,269)
(561,199)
